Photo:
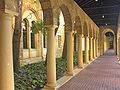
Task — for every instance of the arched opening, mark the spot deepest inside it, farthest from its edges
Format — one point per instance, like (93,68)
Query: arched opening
(32,35)
(77,30)
(29,37)
(32,44)
(67,27)
(110,36)
(63,23)
(109,40)
(25,35)
(60,35)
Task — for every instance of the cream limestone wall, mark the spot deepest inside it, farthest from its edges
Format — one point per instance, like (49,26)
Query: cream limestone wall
(25,53)
(60,36)
(32,12)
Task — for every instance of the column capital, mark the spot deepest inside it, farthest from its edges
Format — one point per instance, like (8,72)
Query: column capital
(9,7)
(78,34)
(91,37)
(69,32)
(51,26)
(86,35)
(79,31)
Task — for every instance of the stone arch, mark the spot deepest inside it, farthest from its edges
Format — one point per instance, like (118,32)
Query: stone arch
(29,10)
(107,30)
(67,17)
(114,40)
(77,25)
(27,21)
(36,8)
(94,32)
(90,30)
(77,31)
(85,28)
(32,10)
(25,34)
(35,12)
(47,12)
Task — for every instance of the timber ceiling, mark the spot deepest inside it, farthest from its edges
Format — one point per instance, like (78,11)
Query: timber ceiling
(102,12)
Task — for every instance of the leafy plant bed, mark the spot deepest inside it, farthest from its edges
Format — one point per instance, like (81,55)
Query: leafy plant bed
(75,60)
(33,76)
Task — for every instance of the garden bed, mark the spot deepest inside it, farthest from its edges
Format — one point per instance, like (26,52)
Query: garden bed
(33,76)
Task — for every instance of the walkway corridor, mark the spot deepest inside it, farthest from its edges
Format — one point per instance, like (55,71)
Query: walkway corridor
(102,74)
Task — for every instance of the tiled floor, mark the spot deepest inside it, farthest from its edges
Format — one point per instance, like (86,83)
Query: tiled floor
(102,74)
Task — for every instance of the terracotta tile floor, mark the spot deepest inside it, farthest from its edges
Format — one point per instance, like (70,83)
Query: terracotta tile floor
(102,74)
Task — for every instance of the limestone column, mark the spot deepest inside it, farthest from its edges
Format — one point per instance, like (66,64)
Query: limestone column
(96,41)
(119,48)
(51,61)
(80,53)
(86,50)
(6,57)
(69,52)
(103,45)
(115,44)
(91,49)
(94,48)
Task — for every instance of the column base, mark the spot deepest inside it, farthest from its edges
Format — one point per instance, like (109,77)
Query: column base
(92,59)
(87,62)
(49,87)
(82,66)
(70,73)
(119,62)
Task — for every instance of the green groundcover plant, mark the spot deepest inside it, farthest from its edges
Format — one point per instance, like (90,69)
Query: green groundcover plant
(33,76)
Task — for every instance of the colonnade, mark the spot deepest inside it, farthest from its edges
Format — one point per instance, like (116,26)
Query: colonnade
(6,60)
(51,64)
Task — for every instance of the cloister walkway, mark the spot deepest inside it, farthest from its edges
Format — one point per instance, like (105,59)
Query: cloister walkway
(101,74)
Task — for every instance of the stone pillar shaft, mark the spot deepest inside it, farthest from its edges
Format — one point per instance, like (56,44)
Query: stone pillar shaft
(94,48)
(119,48)
(91,49)
(69,53)
(51,61)
(86,50)
(6,57)
(80,53)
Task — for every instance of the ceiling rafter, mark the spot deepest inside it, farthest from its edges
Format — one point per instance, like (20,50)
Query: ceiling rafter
(97,9)
(101,7)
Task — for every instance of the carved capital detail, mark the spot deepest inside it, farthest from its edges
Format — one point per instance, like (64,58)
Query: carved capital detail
(9,6)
